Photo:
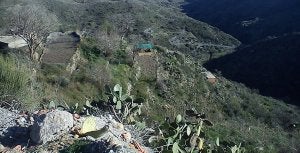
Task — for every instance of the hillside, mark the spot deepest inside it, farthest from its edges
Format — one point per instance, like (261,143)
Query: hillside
(248,20)
(267,59)
(151,52)
(165,23)
(269,66)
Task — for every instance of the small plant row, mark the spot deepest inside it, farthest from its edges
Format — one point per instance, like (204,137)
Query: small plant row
(186,135)
(182,135)
(124,107)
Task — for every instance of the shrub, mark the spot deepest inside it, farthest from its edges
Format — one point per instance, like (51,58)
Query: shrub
(123,106)
(78,146)
(141,89)
(89,49)
(13,77)
(120,57)
(13,82)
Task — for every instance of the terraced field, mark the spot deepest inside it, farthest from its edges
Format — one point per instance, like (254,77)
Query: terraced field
(60,48)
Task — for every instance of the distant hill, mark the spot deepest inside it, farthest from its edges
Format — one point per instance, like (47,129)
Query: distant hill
(271,66)
(248,20)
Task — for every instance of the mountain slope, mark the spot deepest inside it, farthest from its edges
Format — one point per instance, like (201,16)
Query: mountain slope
(239,114)
(271,66)
(162,17)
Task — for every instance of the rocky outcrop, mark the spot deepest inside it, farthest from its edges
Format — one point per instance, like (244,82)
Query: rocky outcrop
(57,130)
(73,62)
(50,126)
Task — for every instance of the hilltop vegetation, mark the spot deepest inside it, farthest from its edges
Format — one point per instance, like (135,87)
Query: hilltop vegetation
(110,31)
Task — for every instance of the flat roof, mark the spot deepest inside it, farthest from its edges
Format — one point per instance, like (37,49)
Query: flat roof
(13,41)
(209,75)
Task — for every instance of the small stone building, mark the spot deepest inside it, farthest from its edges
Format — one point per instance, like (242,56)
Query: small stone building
(210,77)
(145,60)
(12,42)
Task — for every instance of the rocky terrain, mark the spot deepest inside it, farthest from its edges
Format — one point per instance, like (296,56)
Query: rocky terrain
(55,130)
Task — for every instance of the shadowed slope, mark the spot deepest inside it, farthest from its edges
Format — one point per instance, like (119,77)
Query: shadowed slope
(248,20)
(271,66)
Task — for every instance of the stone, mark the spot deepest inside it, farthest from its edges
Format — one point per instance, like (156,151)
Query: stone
(7,119)
(126,136)
(117,125)
(76,116)
(21,121)
(13,130)
(50,126)
(2,148)
(18,148)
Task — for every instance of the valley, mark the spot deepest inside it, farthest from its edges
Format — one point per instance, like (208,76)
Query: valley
(266,60)
(141,70)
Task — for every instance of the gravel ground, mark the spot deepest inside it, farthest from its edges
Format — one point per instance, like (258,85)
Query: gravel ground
(14,131)
(7,120)
(11,133)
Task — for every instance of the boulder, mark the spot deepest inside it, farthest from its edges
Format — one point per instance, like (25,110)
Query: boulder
(51,126)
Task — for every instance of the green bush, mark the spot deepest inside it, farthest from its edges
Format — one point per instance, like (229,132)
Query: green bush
(78,146)
(89,49)
(141,89)
(121,57)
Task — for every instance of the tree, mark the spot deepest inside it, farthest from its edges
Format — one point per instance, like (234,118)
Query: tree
(123,22)
(33,24)
(108,40)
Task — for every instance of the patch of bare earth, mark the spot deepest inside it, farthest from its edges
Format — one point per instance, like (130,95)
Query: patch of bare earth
(59,53)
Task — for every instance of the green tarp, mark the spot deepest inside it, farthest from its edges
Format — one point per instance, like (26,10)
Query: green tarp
(145,46)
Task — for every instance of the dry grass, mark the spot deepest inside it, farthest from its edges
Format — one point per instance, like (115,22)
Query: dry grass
(147,64)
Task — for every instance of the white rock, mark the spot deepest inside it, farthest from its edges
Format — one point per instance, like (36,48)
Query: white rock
(50,126)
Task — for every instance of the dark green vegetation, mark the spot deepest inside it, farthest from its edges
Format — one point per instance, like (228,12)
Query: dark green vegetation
(271,66)
(248,20)
(78,146)
(240,115)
